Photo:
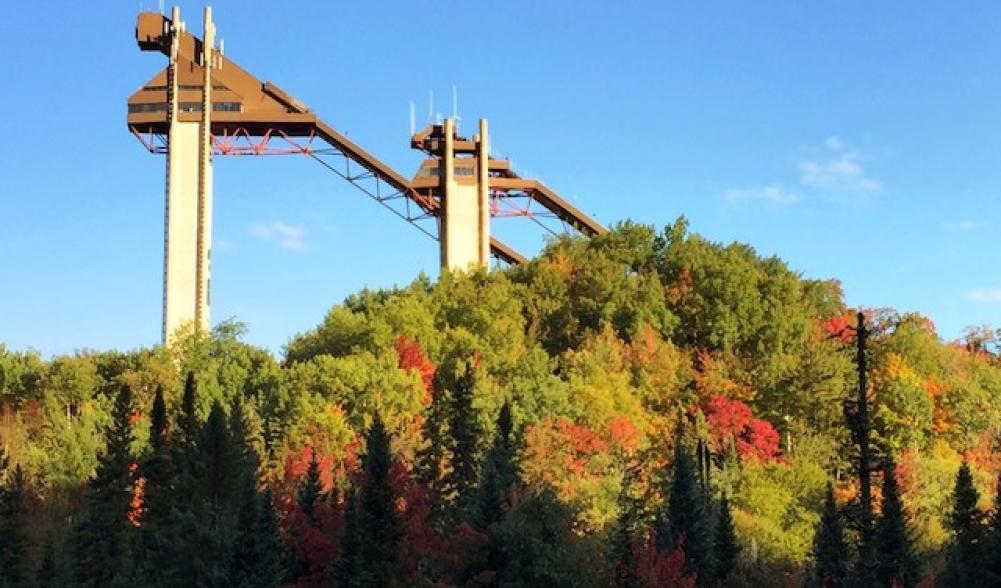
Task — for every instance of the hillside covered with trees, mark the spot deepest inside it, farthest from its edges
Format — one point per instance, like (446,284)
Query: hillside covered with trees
(639,409)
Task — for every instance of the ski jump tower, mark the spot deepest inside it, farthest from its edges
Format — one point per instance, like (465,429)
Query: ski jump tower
(203,105)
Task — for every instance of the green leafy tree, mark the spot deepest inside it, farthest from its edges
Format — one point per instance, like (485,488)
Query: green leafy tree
(102,541)
(539,548)
(896,563)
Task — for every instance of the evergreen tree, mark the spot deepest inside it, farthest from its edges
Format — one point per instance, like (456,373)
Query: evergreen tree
(993,541)
(894,551)
(371,542)
(683,522)
(629,534)
(258,555)
(46,576)
(101,542)
(964,564)
(197,538)
(13,520)
(726,548)
(500,472)
(188,423)
(158,494)
(310,490)
(830,553)
(464,432)
(247,431)
(448,461)
(158,422)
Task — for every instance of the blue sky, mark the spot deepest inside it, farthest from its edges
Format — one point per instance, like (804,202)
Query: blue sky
(855,140)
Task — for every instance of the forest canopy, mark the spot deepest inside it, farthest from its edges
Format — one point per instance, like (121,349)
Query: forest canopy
(514,427)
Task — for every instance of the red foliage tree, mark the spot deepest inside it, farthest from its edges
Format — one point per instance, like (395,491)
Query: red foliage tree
(659,569)
(412,359)
(733,421)
(313,542)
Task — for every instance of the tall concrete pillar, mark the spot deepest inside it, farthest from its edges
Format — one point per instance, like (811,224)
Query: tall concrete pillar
(465,223)
(188,214)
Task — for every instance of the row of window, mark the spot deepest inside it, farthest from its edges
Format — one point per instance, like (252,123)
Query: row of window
(183,87)
(185,107)
(431,172)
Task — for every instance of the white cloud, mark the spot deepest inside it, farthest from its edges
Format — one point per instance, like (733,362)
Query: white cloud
(992,295)
(771,194)
(838,167)
(286,236)
(834,143)
(965,225)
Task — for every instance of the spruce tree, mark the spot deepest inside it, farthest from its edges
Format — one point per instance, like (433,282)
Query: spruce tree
(830,553)
(258,555)
(101,542)
(896,564)
(13,520)
(464,432)
(188,423)
(158,496)
(370,545)
(993,541)
(46,575)
(310,490)
(447,462)
(683,522)
(964,564)
(158,422)
(500,472)
(726,548)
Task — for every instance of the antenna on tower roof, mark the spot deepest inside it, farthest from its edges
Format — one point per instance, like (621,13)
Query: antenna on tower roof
(455,105)
(430,107)
(413,123)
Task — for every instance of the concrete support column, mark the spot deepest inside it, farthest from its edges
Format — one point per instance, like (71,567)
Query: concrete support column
(483,192)
(465,233)
(188,210)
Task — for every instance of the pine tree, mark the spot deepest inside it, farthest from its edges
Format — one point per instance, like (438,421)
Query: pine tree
(894,550)
(158,494)
(371,542)
(993,541)
(310,490)
(963,559)
(101,542)
(684,522)
(726,548)
(830,554)
(629,536)
(500,472)
(448,462)
(46,575)
(13,520)
(188,423)
(463,438)
(158,422)
(247,431)
(258,555)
